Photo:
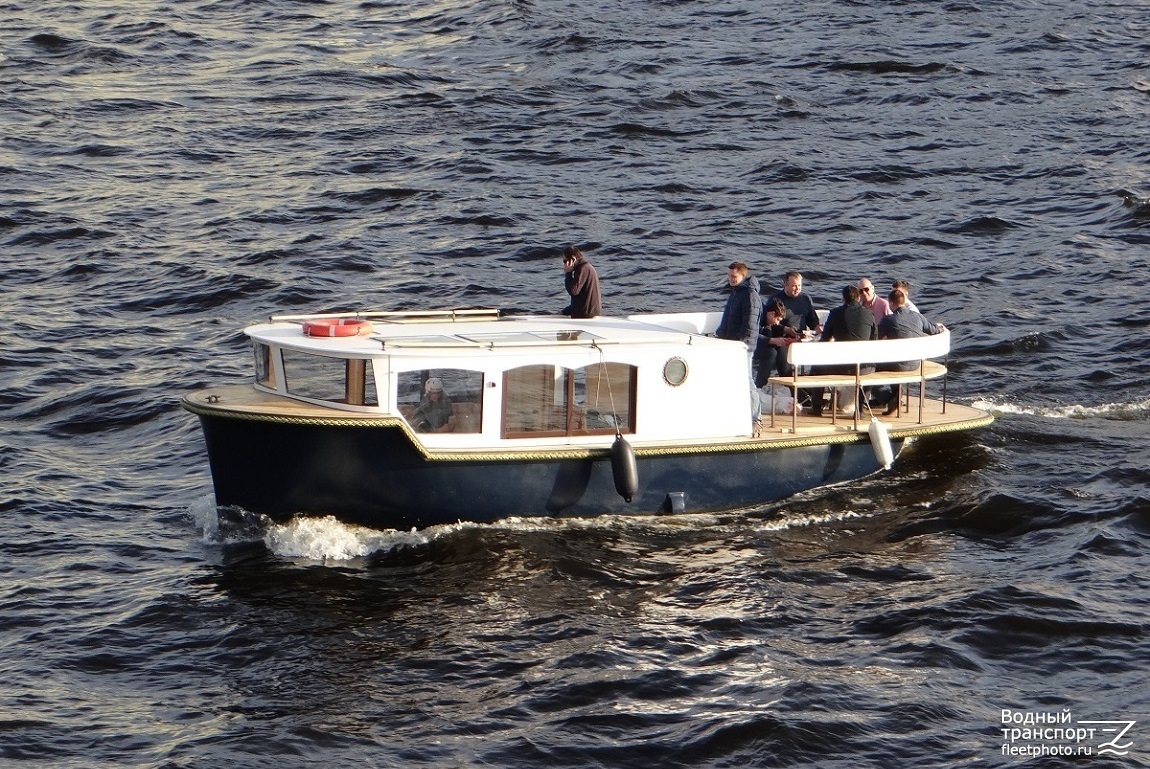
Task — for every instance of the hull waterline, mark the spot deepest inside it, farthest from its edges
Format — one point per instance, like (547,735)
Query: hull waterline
(375,475)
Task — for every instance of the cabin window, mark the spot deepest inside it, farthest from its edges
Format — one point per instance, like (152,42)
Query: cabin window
(675,372)
(265,371)
(548,400)
(339,380)
(441,400)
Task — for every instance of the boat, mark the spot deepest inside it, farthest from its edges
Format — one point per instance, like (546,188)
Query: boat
(548,416)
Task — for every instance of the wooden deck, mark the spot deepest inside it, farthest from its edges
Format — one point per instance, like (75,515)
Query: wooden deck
(934,420)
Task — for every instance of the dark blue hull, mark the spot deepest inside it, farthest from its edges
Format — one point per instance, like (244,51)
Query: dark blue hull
(375,476)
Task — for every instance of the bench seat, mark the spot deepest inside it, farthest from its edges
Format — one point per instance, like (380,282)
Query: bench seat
(917,350)
(932,370)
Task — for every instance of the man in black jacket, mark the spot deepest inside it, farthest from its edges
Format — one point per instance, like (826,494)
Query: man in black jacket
(801,314)
(849,322)
(740,321)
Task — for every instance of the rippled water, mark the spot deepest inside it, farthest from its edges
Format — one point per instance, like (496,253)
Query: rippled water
(172,171)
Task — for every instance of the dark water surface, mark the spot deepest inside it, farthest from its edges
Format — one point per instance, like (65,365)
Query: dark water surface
(172,171)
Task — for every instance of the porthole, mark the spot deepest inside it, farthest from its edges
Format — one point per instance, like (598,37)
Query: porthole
(675,372)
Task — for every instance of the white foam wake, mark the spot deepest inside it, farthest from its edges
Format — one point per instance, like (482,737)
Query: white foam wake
(327,539)
(794,521)
(1118,411)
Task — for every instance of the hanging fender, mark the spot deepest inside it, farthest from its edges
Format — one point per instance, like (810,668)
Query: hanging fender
(880,442)
(623,468)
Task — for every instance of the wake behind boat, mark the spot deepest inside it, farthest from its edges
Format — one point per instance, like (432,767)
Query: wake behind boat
(399,420)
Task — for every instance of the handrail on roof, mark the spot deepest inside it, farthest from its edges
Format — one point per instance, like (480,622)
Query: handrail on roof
(494,342)
(399,316)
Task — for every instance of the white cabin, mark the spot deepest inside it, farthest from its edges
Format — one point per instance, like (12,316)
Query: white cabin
(525,381)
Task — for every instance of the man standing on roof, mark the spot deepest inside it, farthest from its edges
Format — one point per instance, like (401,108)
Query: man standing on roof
(582,283)
(740,322)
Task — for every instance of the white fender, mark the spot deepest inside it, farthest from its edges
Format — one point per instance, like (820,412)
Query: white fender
(880,442)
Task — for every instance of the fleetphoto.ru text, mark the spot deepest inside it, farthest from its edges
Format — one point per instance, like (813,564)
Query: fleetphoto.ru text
(1028,733)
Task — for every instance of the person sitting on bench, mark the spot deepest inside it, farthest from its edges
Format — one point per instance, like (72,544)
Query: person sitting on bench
(902,323)
(849,322)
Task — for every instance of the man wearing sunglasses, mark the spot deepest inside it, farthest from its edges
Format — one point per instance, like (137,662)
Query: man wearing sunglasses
(872,301)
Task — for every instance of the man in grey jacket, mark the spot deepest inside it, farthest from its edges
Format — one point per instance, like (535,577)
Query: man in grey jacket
(902,323)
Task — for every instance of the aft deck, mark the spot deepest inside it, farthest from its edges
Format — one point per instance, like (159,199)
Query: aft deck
(936,418)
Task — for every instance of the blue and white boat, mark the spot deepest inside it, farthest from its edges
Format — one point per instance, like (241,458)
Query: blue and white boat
(548,416)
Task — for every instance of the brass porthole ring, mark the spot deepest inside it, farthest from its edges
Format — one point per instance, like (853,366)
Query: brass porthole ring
(675,371)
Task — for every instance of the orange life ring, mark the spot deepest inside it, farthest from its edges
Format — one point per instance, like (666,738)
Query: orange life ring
(336,327)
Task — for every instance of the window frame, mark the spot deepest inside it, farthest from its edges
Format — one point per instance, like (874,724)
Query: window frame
(570,409)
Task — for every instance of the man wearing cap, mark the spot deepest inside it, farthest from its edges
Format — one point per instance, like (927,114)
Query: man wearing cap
(434,414)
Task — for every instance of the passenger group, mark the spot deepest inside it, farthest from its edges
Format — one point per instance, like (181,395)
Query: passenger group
(768,327)
(789,316)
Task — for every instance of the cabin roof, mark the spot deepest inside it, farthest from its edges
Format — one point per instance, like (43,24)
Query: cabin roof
(404,334)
